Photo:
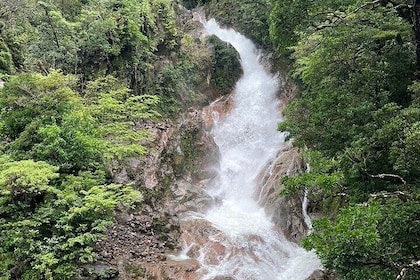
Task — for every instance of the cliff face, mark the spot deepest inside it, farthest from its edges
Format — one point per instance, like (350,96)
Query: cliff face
(171,178)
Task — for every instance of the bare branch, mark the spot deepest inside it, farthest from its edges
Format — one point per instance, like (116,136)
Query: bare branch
(414,266)
(382,176)
(401,195)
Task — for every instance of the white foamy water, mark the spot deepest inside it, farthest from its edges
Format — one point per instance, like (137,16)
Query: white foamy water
(248,140)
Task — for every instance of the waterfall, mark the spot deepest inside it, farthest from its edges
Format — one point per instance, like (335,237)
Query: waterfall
(248,139)
(305,203)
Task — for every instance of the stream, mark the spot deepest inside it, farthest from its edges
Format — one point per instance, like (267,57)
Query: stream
(249,246)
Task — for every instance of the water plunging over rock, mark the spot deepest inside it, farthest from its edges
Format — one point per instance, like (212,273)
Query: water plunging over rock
(235,238)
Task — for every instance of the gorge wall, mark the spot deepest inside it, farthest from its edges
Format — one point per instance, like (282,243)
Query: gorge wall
(172,177)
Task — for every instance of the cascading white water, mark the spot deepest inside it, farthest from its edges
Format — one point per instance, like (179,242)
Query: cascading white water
(248,139)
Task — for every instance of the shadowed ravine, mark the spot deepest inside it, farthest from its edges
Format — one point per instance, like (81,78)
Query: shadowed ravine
(244,243)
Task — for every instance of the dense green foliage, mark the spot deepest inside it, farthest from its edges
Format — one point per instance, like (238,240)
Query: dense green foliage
(80,83)
(247,17)
(82,76)
(130,40)
(358,114)
(82,79)
(50,224)
(374,239)
(55,200)
(227,68)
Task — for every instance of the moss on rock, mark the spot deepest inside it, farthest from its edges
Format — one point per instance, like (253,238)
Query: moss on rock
(226,66)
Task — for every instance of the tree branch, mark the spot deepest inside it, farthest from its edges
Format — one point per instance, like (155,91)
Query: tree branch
(382,176)
(401,195)
(338,18)
(47,14)
(414,266)
(363,6)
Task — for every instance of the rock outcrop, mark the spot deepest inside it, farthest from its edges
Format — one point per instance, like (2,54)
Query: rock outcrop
(170,178)
(286,211)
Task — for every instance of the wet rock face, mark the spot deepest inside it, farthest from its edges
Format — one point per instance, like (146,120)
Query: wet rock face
(217,110)
(193,153)
(196,233)
(286,211)
(171,179)
(289,90)
(322,275)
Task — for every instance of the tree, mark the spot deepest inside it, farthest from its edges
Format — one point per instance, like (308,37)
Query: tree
(14,20)
(370,241)
(389,151)
(6,63)
(43,118)
(55,45)
(29,100)
(121,38)
(49,225)
(285,20)
(345,88)
(24,185)
(74,144)
(120,114)
(347,77)
(55,198)
(290,18)
(358,110)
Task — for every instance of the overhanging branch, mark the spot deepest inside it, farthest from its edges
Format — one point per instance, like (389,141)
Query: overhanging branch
(383,176)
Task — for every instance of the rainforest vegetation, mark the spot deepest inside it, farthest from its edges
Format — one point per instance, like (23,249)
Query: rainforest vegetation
(81,77)
(358,117)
